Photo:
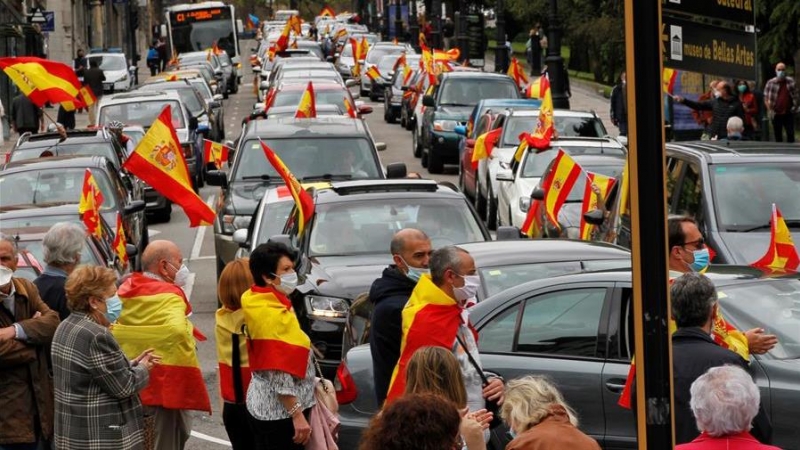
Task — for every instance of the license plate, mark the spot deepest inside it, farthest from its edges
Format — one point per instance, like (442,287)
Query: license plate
(108,86)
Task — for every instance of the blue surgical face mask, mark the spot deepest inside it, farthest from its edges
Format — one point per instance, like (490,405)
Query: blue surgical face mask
(701,259)
(780,73)
(113,308)
(414,273)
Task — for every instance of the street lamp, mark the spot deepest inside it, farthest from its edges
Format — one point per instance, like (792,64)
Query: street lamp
(554,61)
(500,49)
(398,21)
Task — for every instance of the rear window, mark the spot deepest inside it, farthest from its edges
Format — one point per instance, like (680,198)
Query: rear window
(376,53)
(469,91)
(84,149)
(565,126)
(141,112)
(36,187)
(536,163)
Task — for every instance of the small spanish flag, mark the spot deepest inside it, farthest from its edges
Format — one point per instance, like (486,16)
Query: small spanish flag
(604,184)
(668,78)
(421,41)
(214,152)
(351,111)
(781,254)
(307,109)
(89,206)
(342,32)
(401,62)
(545,128)
(516,72)
(533,223)
(484,145)
(363,48)
(563,175)
(446,56)
(302,199)
(158,160)
(327,11)
(120,242)
(373,73)
(295,24)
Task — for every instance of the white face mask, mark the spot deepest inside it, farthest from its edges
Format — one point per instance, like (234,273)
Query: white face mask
(288,283)
(472,284)
(181,276)
(5,275)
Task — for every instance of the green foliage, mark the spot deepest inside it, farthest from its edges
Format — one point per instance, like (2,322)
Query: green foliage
(778,22)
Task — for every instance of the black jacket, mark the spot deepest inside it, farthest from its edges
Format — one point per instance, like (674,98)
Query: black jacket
(619,105)
(693,353)
(389,294)
(94,77)
(51,290)
(721,109)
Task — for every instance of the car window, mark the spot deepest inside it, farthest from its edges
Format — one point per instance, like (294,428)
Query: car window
(386,64)
(142,113)
(326,97)
(674,168)
(366,226)
(499,278)
(187,94)
(469,91)
(376,53)
(104,149)
(565,126)
(202,88)
(109,62)
(313,157)
(273,220)
(596,265)
(62,185)
(562,323)
(497,336)
(690,192)
(535,164)
(37,221)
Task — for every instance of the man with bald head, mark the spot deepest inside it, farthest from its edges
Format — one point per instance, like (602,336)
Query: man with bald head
(723,106)
(411,250)
(154,316)
(782,99)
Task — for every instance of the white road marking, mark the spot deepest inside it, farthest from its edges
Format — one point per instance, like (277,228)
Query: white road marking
(204,258)
(201,233)
(208,438)
(152,231)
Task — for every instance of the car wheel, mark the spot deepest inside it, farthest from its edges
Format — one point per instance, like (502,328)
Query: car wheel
(491,210)
(480,202)
(164,215)
(424,158)
(403,121)
(416,145)
(435,163)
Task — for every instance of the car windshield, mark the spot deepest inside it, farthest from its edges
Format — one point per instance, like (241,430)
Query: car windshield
(327,97)
(141,112)
(187,94)
(202,88)
(611,170)
(497,279)
(364,227)
(108,62)
(565,126)
(773,305)
(376,53)
(310,157)
(535,164)
(744,194)
(469,91)
(273,220)
(104,149)
(55,185)
(199,57)
(386,64)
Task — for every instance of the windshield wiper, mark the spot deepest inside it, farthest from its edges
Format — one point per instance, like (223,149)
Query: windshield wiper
(791,223)
(262,177)
(455,104)
(326,177)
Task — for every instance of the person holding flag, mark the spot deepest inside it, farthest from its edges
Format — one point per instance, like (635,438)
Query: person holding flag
(281,391)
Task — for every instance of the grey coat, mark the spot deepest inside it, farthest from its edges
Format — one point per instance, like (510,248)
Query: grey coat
(97,402)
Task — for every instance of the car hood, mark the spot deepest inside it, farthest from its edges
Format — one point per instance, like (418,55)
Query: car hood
(346,276)
(112,76)
(743,248)
(460,113)
(244,196)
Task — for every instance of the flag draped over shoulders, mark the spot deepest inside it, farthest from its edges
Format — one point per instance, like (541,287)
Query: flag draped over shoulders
(275,339)
(232,358)
(154,316)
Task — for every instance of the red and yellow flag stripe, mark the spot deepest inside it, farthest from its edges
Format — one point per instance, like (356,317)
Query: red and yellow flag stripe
(516,72)
(604,184)
(373,73)
(307,109)
(229,324)
(302,199)
(781,254)
(484,145)
(563,175)
(214,152)
(91,201)
(120,242)
(533,224)
(42,80)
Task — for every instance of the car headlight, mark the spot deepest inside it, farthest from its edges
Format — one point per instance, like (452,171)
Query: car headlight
(231,223)
(524,204)
(444,125)
(124,78)
(327,307)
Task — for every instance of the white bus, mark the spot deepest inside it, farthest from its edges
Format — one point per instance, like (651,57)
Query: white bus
(197,26)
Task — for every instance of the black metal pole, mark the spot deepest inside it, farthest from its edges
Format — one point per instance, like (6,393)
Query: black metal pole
(500,50)
(435,20)
(651,311)
(413,24)
(554,61)
(398,20)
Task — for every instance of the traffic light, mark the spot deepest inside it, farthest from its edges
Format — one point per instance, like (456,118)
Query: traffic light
(134,18)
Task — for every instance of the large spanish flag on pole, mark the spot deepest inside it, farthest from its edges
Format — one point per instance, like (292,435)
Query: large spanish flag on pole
(604,184)
(276,341)
(781,254)
(41,80)
(154,316)
(545,129)
(89,206)
(214,152)
(430,318)
(159,162)
(304,202)
(558,183)
(307,109)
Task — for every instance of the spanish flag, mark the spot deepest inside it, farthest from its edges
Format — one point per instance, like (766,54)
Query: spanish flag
(89,206)
(545,129)
(430,318)
(781,254)
(356,70)
(85,99)
(421,39)
(373,73)
(214,152)
(557,184)
(233,363)
(295,24)
(327,11)
(307,109)
(276,341)
(407,73)
(516,72)
(484,145)
(401,61)
(351,112)
(668,77)
(446,56)
(41,80)
(363,48)
(159,162)
(303,201)
(604,183)
(342,32)
(533,224)
(120,242)
(154,316)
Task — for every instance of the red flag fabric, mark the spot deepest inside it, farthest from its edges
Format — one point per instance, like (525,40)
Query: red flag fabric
(214,152)
(120,242)
(89,206)
(42,80)
(307,109)
(302,199)
(781,254)
(557,184)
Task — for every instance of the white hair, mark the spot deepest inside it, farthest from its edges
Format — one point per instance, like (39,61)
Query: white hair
(12,242)
(63,244)
(724,401)
(735,124)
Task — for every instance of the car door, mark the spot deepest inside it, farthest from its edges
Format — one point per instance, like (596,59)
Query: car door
(133,223)
(554,332)
(428,115)
(469,148)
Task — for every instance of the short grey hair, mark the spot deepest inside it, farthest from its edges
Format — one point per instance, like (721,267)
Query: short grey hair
(444,259)
(724,401)
(63,243)
(735,124)
(693,297)
(12,241)
(529,400)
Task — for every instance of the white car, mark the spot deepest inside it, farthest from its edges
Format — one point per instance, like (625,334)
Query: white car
(374,55)
(516,183)
(115,68)
(517,121)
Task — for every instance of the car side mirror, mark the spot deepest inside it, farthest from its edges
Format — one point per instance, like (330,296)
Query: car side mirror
(538,194)
(134,207)
(505,175)
(506,233)
(217,178)
(365,109)
(594,217)
(351,83)
(381,146)
(240,237)
(131,250)
(461,130)
(396,170)
(218,97)
(427,100)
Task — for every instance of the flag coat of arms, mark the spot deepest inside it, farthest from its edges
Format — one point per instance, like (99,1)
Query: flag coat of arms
(90,203)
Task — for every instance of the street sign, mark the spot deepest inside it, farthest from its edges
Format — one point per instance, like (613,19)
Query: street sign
(37,17)
(49,21)
(739,11)
(687,45)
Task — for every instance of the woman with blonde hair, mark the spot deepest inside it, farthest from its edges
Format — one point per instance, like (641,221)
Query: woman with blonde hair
(435,370)
(96,387)
(234,368)
(540,419)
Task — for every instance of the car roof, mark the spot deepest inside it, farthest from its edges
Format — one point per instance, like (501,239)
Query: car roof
(37,210)
(724,151)
(509,102)
(582,141)
(599,160)
(134,96)
(55,162)
(502,253)
(73,137)
(321,108)
(556,113)
(289,127)
(300,85)
(372,189)
(475,74)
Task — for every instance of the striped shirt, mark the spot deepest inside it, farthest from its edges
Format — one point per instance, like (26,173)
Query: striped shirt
(263,400)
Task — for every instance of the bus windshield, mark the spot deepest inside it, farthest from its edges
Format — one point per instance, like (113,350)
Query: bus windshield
(198,29)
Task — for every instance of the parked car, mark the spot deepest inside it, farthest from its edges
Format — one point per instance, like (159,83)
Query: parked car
(97,142)
(393,90)
(115,68)
(231,70)
(449,105)
(190,59)
(199,100)
(377,51)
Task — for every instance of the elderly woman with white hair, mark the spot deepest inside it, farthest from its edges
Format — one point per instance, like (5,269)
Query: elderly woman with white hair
(62,244)
(540,419)
(725,400)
